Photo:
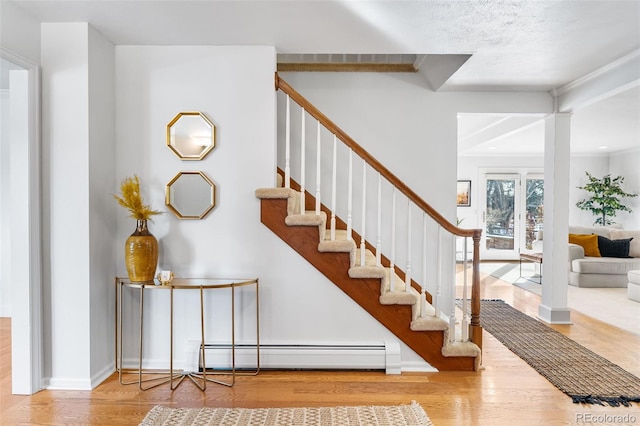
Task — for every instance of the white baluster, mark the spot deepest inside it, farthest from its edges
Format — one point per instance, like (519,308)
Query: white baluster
(407,275)
(350,195)
(392,282)
(424,253)
(287,146)
(436,300)
(318,169)
(452,316)
(379,230)
(364,212)
(423,303)
(465,316)
(303,138)
(333,190)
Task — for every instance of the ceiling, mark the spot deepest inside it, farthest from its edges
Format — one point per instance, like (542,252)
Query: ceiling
(495,45)
(608,126)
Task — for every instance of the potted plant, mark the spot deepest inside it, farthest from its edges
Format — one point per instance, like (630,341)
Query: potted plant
(604,202)
(141,248)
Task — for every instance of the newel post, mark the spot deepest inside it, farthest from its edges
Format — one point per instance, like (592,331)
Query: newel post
(475,329)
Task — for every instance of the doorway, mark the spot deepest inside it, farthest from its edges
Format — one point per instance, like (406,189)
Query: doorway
(512,213)
(20,233)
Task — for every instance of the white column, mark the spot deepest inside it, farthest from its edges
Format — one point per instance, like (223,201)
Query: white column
(555,278)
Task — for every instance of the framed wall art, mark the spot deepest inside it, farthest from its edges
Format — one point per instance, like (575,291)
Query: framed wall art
(464,193)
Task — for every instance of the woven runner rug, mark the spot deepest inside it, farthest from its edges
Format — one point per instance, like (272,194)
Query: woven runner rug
(580,373)
(397,415)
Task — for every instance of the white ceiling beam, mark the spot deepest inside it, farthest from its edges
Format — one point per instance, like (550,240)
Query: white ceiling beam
(610,80)
(505,126)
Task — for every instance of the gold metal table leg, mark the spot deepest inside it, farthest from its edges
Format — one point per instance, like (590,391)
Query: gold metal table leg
(140,371)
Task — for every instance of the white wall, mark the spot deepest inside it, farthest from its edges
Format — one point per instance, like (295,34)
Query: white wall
(627,164)
(597,165)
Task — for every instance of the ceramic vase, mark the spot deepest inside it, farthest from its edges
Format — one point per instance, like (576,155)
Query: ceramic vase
(141,254)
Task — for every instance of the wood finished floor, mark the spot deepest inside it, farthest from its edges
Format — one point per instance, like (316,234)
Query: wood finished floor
(506,392)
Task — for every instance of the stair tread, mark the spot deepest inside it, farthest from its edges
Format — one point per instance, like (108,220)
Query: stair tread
(399,282)
(274,193)
(309,218)
(429,323)
(336,246)
(366,271)
(399,296)
(458,348)
(339,244)
(341,235)
(429,310)
(369,258)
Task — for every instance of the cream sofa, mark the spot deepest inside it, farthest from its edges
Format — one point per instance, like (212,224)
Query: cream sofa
(587,271)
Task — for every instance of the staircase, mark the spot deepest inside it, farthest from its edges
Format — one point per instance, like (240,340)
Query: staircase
(371,279)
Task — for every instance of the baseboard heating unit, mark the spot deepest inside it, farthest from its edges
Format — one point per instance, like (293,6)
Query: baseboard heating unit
(362,356)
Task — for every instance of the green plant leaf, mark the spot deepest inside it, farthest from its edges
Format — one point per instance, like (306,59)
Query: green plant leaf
(604,202)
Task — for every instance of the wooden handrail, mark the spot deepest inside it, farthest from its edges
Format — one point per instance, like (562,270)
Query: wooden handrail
(370,160)
(474,327)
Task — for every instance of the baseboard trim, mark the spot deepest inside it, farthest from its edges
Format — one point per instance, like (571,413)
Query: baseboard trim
(56,383)
(554,315)
(102,375)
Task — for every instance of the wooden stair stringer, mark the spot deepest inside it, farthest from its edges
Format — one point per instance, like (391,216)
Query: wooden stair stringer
(430,345)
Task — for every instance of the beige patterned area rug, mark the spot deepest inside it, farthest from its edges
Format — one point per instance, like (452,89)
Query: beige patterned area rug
(395,415)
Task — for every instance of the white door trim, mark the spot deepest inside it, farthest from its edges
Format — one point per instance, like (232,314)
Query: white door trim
(26,320)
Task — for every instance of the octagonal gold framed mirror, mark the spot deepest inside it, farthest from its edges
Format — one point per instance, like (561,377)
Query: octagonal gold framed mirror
(191,135)
(190,195)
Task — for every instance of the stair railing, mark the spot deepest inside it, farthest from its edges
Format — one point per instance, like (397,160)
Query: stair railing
(444,296)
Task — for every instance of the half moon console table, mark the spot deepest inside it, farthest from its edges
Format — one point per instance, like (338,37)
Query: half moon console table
(173,376)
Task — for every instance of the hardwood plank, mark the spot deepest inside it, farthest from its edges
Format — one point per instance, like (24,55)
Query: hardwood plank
(505,392)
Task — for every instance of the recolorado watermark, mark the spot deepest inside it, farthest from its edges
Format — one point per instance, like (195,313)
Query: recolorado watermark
(600,418)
